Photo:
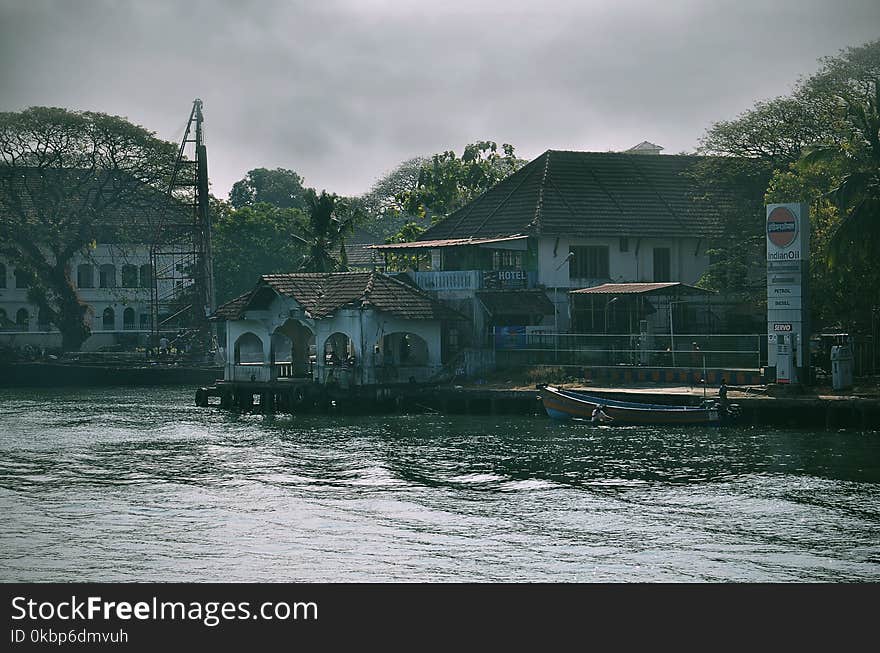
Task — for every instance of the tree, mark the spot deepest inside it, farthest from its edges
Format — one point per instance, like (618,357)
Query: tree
(280,187)
(847,88)
(819,145)
(67,180)
(448,182)
(252,241)
(384,214)
(330,219)
(401,262)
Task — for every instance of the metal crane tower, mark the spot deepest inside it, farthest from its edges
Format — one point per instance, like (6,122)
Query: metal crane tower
(182,289)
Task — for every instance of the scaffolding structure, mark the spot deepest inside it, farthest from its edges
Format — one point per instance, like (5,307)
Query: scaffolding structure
(182,285)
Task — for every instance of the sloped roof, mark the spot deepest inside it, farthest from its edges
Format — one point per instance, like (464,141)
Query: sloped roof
(321,294)
(449,242)
(358,250)
(641,289)
(585,194)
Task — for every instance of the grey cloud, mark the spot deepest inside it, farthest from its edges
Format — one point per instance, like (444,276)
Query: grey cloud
(343,91)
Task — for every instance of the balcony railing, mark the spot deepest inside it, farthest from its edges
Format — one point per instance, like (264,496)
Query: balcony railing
(444,280)
(448,280)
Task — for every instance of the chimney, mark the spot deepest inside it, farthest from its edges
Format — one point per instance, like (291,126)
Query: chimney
(644,148)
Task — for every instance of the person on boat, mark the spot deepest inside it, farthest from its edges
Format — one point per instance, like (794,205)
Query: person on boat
(722,395)
(600,416)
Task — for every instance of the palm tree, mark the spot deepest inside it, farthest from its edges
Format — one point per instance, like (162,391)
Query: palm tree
(857,196)
(330,220)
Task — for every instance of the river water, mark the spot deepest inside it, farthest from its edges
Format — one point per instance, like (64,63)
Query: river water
(126,484)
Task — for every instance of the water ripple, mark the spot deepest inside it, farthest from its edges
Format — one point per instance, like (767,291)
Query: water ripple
(123,485)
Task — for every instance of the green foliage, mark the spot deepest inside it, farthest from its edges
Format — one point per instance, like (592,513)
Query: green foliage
(252,241)
(734,187)
(383,210)
(819,145)
(402,262)
(280,187)
(67,179)
(847,87)
(448,182)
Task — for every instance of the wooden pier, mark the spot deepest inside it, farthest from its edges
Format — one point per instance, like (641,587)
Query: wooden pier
(305,396)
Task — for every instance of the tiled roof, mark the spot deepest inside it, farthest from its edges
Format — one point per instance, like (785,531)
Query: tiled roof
(641,288)
(588,194)
(516,302)
(321,294)
(358,250)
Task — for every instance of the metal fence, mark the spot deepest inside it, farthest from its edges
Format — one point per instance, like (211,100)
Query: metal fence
(740,351)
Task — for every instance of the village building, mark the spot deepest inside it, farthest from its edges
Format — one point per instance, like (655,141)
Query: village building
(340,329)
(112,277)
(569,221)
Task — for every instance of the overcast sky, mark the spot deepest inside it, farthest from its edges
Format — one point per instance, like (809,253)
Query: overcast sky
(342,91)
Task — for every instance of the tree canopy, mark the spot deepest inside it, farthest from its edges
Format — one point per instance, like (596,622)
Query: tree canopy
(251,241)
(447,182)
(279,187)
(383,210)
(67,180)
(821,145)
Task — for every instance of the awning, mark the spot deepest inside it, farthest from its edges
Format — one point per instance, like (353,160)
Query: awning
(448,242)
(664,288)
(516,302)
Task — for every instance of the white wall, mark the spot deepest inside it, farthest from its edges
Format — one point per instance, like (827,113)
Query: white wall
(688,260)
(97,299)
(366,329)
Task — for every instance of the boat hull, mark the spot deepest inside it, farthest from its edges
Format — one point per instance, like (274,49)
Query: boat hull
(565,404)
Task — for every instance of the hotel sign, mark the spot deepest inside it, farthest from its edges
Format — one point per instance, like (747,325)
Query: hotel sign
(505,279)
(788,253)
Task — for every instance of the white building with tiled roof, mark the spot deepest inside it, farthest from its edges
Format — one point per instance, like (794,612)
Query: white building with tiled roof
(349,328)
(570,220)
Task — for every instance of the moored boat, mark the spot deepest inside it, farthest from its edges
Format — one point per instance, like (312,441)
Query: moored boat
(567,404)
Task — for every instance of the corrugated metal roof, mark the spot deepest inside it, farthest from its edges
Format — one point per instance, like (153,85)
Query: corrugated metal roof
(640,288)
(448,242)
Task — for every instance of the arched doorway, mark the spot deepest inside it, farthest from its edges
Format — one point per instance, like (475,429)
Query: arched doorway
(248,349)
(403,357)
(108,319)
(338,360)
(292,349)
(339,349)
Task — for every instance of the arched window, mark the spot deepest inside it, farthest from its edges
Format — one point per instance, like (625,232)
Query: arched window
(128,318)
(85,276)
(146,276)
(22,319)
(109,319)
(108,275)
(2,276)
(4,320)
(129,276)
